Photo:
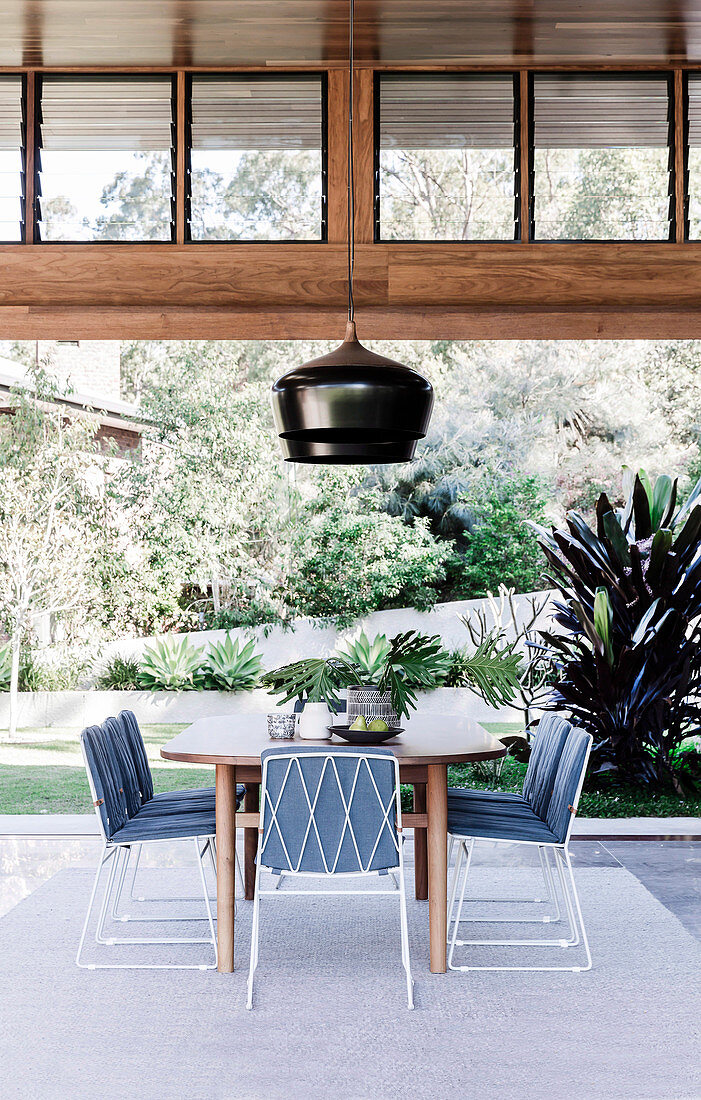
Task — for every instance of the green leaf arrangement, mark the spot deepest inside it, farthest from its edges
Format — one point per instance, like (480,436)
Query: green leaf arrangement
(232,665)
(493,671)
(414,662)
(316,679)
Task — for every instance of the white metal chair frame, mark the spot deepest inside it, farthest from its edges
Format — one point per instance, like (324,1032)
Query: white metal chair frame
(399,890)
(118,856)
(577,930)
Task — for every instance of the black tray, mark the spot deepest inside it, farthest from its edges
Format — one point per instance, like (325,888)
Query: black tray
(365,737)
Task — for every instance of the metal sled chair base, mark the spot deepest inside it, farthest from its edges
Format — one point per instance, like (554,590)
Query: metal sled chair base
(117,855)
(577,931)
(551,898)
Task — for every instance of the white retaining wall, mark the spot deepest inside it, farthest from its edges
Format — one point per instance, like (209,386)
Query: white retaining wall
(306,639)
(84,708)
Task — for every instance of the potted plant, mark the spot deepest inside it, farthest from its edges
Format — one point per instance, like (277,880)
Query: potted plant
(388,674)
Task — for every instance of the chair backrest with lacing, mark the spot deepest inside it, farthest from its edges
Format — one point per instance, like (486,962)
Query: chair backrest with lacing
(329,810)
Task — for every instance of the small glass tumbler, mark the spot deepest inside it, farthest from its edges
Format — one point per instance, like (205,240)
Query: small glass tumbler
(281,727)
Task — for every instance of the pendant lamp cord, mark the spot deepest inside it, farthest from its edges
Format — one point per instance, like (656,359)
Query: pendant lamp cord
(351,174)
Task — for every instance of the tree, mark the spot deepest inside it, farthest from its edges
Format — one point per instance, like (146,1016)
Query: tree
(47,494)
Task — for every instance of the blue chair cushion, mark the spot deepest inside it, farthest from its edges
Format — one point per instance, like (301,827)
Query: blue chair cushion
(192,800)
(167,827)
(464,798)
(523,824)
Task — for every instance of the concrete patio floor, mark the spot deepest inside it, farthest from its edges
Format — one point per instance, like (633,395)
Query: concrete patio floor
(318,1027)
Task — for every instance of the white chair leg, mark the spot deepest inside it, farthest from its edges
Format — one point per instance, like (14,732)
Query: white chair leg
(254,937)
(159,918)
(119,856)
(104,856)
(404,936)
(551,899)
(575,920)
(466,851)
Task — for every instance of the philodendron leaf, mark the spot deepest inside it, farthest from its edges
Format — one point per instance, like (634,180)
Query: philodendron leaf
(603,621)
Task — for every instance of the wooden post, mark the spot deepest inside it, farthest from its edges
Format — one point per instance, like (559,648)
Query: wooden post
(420,850)
(337,155)
(364,156)
(679,158)
(30,161)
(437,806)
(251,802)
(525,158)
(226,863)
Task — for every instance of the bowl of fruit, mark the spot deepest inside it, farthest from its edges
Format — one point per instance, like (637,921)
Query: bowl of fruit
(362,732)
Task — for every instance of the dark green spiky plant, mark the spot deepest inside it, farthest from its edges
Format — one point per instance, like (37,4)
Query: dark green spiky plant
(629,657)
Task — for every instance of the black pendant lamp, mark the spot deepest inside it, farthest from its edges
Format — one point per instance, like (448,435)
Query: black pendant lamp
(351,406)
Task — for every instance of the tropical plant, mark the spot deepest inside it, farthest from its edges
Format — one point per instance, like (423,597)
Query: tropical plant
(314,679)
(119,673)
(492,671)
(368,657)
(415,662)
(232,665)
(171,666)
(629,656)
(502,620)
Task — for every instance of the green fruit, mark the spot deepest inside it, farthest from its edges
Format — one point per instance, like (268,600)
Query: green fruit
(378,725)
(359,724)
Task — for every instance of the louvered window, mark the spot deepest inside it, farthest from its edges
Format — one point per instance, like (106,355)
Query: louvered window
(447,157)
(602,164)
(694,166)
(11,159)
(106,159)
(257,167)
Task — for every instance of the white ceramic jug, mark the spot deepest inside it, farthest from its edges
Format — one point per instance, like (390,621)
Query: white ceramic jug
(313,722)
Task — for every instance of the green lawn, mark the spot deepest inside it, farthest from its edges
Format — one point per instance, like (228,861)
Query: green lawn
(44,775)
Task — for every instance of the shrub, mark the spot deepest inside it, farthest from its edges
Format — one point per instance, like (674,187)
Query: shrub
(119,674)
(629,661)
(349,563)
(502,549)
(174,665)
(232,665)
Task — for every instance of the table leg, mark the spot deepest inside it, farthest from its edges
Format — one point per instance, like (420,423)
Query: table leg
(420,841)
(437,809)
(226,863)
(251,803)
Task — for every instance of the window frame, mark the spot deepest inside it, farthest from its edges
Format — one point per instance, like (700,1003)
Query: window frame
(171,78)
(317,77)
(425,75)
(622,74)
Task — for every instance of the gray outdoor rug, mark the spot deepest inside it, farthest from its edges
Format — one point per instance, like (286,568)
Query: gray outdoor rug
(331,1018)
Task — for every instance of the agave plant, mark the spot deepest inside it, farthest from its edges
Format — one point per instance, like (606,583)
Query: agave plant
(232,666)
(368,657)
(171,666)
(629,658)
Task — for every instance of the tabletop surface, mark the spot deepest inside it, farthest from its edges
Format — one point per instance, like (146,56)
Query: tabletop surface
(240,739)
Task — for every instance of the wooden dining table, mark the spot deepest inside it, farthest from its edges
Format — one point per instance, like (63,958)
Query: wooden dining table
(425,749)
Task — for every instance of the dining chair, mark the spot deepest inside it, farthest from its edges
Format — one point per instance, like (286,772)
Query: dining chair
(125,821)
(544,820)
(329,813)
(546,749)
(189,799)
